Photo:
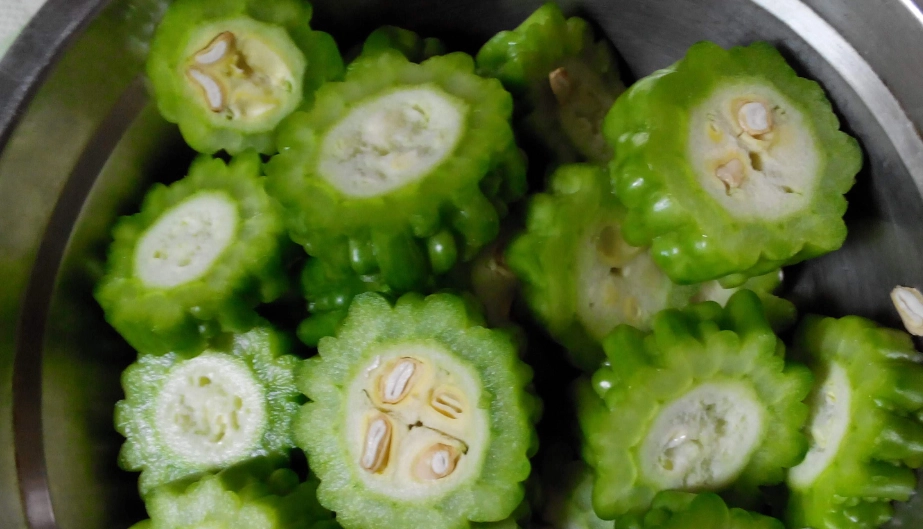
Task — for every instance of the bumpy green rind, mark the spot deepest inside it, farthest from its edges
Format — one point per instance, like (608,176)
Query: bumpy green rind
(692,236)
(447,321)
(884,440)
(569,493)
(646,371)
(522,60)
(252,496)
(683,510)
(179,104)
(403,41)
(547,256)
(250,271)
(262,350)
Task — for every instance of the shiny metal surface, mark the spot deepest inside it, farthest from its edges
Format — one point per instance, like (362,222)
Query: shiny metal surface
(79,141)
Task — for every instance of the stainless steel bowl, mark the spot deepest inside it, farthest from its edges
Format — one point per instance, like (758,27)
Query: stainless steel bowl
(79,142)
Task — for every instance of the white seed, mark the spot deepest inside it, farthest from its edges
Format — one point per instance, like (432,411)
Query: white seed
(398,383)
(377,445)
(216,49)
(447,404)
(909,304)
(731,174)
(214,93)
(561,85)
(437,462)
(755,118)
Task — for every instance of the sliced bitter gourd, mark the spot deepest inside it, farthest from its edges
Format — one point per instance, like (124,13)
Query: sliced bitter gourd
(400,170)
(729,163)
(183,415)
(581,279)
(197,258)
(250,496)
(418,416)
(705,402)
(683,510)
(865,428)
(228,71)
(565,79)
(403,41)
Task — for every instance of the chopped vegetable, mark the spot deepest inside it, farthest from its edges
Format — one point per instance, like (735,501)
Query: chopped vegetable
(683,510)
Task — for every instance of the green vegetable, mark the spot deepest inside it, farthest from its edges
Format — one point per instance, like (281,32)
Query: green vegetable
(418,416)
(185,415)
(729,163)
(683,510)
(404,41)
(581,279)
(565,79)
(570,501)
(704,402)
(865,429)
(252,496)
(228,71)
(197,258)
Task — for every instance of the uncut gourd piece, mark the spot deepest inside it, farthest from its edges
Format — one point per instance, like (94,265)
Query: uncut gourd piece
(581,279)
(417,416)
(704,402)
(250,496)
(683,510)
(564,78)
(865,429)
(228,71)
(183,415)
(196,259)
(730,164)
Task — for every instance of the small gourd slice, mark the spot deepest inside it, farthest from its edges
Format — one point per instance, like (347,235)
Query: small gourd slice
(684,510)
(403,41)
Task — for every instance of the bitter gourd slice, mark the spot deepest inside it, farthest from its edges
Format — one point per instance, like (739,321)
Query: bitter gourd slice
(705,402)
(198,257)
(729,163)
(865,428)
(184,415)
(252,496)
(403,41)
(581,279)
(401,169)
(565,79)
(228,71)
(684,510)
(417,416)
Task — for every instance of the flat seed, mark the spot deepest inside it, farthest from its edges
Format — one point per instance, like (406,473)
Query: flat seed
(377,445)
(447,404)
(731,174)
(436,462)
(755,118)
(213,91)
(217,49)
(561,85)
(909,304)
(398,383)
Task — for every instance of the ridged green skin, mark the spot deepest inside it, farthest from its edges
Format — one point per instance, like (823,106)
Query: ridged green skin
(546,258)
(252,496)
(522,60)
(569,502)
(249,271)
(264,353)
(683,510)
(884,440)
(404,41)
(444,320)
(693,238)
(179,103)
(647,371)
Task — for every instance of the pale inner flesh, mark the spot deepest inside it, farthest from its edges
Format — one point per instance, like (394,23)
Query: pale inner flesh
(414,427)
(184,243)
(392,140)
(754,152)
(830,404)
(704,439)
(211,410)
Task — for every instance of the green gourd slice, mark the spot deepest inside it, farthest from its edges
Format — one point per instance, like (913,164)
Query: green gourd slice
(253,495)
(704,402)
(417,416)
(564,78)
(228,71)
(198,257)
(729,163)
(865,428)
(684,510)
(184,415)
(403,41)
(581,278)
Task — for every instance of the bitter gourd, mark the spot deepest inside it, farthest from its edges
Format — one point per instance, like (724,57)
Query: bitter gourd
(565,79)
(730,164)
(569,502)
(581,279)
(198,257)
(865,429)
(705,402)
(684,510)
(417,416)
(403,41)
(184,415)
(228,71)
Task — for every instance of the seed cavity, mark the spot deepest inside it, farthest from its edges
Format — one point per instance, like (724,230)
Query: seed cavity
(396,385)
(377,444)
(731,174)
(612,248)
(755,118)
(216,49)
(447,403)
(909,304)
(211,89)
(561,85)
(436,462)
